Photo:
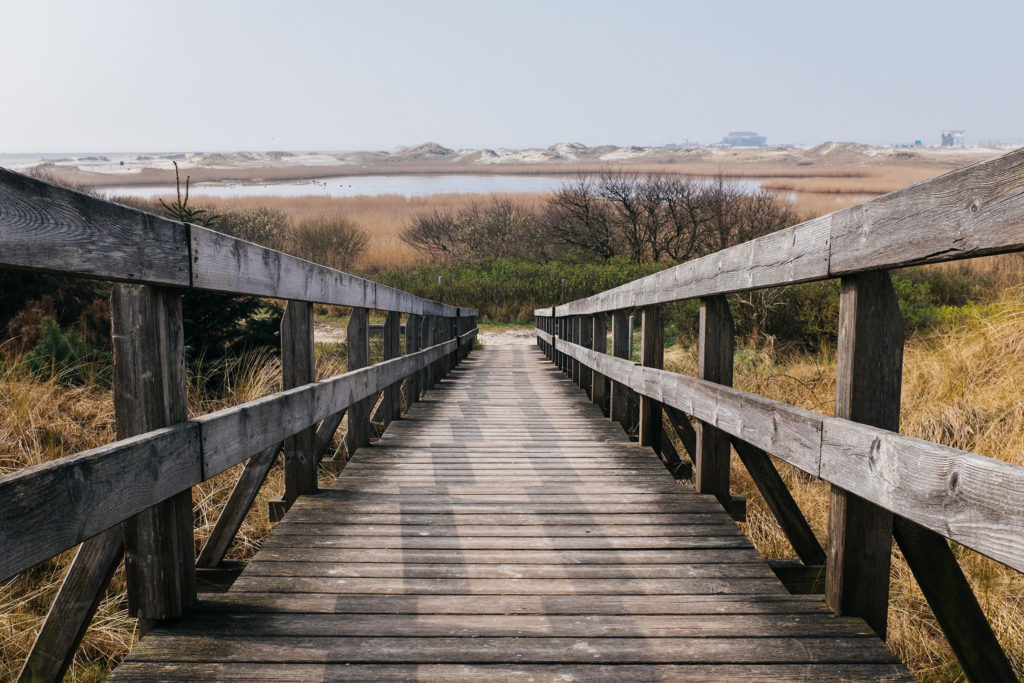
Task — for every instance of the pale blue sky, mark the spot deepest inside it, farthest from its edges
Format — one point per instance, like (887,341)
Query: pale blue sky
(108,75)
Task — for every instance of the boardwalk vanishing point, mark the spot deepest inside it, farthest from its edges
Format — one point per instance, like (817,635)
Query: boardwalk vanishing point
(505,529)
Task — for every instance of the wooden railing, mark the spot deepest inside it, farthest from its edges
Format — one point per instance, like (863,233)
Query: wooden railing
(884,485)
(132,498)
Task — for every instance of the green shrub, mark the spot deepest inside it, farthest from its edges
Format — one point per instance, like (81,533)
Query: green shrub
(66,356)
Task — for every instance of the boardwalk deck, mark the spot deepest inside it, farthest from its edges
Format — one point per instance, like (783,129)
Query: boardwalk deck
(504,529)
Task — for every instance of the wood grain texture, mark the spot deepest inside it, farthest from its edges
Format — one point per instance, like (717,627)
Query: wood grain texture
(50,228)
(716,341)
(56,505)
(969,212)
(392,348)
(72,609)
(298,368)
(223,263)
(619,397)
(237,507)
(869,367)
(488,526)
(652,355)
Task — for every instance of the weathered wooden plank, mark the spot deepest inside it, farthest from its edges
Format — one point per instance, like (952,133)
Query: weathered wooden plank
(562,558)
(965,497)
(869,366)
(54,506)
(733,540)
(392,348)
(232,435)
(73,607)
(714,364)
(619,397)
(51,228)
(312,603)
(237,507)
(599,343)
(489,649)
(698,527)
(412,344)
(953,602)
(293,671)
(358,356)
(780,501)
(150,392)
(298,368)
(527,625)
(652,355)
(505,586)
(968,212)
(795,254)
(785,431)
(472,572)
(225,264)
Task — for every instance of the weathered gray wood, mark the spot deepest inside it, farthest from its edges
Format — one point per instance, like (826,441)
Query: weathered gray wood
(237,507)
(412,344)
(54,506)
(652,355)
(619,400)
(150,393)
(599,342)
(73,607)
(586,339)
(785,431)
(796,254)
(969,212)
(225,264)
(358,356)
(298,367)
(963,496)
(684,430)
(780,501)
(714,364)
(869,365)
(245,671)
(54,229)
(953,602)
(392,400)
(232,435)
(968,498)
(490,649)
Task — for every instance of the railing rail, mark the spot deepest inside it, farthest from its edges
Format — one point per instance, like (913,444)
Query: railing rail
(883,484)
(142,481)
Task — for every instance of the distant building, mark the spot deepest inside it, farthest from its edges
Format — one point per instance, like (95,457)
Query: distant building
(743,138)
(953,138)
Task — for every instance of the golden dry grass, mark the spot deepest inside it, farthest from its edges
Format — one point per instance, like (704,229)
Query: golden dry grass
(962,388)
(45,420)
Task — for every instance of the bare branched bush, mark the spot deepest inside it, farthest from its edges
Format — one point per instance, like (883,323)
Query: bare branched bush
(332,241)
(500,228)
(267,227)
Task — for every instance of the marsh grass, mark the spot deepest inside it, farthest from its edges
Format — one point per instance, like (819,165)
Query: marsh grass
(962,388)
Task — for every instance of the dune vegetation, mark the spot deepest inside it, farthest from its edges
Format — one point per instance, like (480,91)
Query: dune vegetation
(965,341)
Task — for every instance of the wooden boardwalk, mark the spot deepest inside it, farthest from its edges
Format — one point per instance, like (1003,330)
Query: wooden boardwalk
(505,529)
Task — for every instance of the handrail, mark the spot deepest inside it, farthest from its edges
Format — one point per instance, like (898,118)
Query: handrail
(966,497)
(56,505)
(53,229)
(885,485)
(144,481)
(973,211)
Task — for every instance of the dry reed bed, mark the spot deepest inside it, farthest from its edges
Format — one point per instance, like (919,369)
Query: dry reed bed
(45,420)
(961,387)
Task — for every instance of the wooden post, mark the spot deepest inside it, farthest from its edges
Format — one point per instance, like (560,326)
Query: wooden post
(574,337)
(150,392)
(714,363)
(392,400)
(587,341)
(425,341)
(619,411)
(652,355)
(599,342)
(412,344)
(869,362)
(358,334)
(298,367)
